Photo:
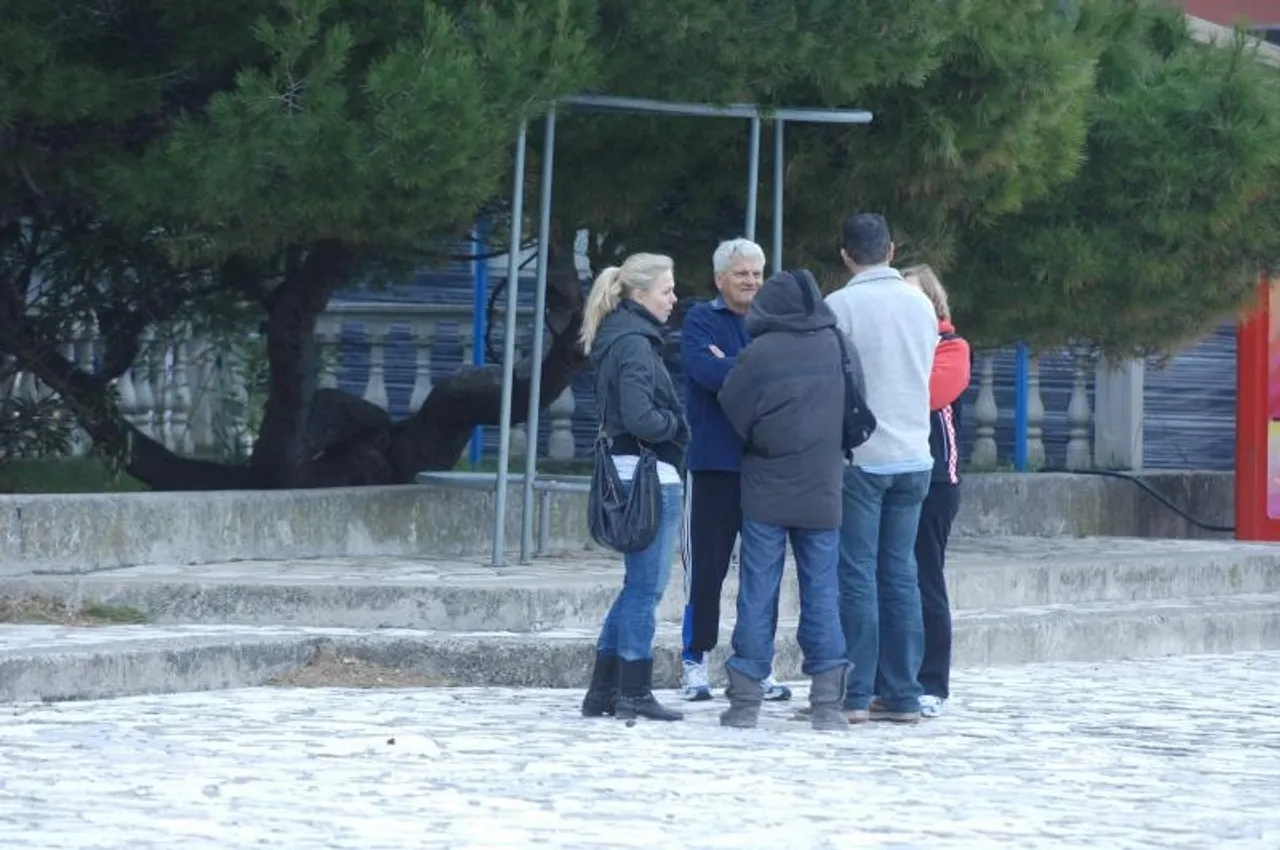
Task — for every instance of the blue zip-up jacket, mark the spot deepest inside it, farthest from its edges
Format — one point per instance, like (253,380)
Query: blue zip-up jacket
(713,444)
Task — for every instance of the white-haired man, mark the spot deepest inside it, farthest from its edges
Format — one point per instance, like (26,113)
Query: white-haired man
(712,335)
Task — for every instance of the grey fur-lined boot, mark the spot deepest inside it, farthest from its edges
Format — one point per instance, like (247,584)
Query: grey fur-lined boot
(745,696)
(826,696)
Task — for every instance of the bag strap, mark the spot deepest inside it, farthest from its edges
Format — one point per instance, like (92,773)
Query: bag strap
(845,365)
(850,391)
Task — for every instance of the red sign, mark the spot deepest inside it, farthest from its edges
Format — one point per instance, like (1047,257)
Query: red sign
(1258,419)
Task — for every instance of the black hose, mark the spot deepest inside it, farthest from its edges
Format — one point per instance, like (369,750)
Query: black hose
(1159,497)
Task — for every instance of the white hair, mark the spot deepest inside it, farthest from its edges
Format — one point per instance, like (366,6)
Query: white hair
(731,250)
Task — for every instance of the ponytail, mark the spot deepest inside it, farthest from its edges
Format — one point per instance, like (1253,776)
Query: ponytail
(637,272)
(605,295)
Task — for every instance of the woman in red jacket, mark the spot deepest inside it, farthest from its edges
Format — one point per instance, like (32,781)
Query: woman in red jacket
(950,378)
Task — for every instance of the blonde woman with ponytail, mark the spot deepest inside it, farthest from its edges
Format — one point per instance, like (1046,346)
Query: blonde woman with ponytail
(622,331)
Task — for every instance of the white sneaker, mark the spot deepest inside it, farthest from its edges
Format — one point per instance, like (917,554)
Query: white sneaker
(696,687)
(931,707)
(773,692)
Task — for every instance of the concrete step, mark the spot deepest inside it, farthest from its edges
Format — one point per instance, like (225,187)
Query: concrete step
(574,591)
(53,663)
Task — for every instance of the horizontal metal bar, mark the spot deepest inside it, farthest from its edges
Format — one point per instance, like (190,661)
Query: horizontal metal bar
(822,116)
(607,103)
(487,480)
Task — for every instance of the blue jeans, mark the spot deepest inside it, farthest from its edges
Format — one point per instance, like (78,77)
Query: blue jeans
(879,593)
(628,627)
(760,562)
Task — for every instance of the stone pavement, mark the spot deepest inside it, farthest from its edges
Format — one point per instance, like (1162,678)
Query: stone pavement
(1170,753)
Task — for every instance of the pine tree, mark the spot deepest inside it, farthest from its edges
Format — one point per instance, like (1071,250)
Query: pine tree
(1165,228)
(222,162)
(978,106)
(263,152)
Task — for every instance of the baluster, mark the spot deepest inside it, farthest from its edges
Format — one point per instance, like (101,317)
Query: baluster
(328,348)
(1079,450)
(519,440)
(127,396)
(375,391)
(423,334)
(233,384)
(180,400)
(200,380)
(144,415)
(1035,415)
(75,353)
(985,414)
(560,444)
(162,390)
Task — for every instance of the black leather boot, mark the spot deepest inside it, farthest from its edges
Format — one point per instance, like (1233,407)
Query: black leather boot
(602,694)
(636,698)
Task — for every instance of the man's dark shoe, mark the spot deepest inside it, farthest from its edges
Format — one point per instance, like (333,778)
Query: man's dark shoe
(636,698)
(602,694)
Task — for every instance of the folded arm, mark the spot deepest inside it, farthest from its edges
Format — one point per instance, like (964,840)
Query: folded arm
(950,377)
(700,364)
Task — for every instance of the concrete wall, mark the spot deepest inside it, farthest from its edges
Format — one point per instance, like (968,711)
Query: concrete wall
(1071,505)
(68,533)
(76,533)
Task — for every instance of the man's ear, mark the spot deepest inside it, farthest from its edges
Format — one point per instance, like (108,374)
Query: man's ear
(848,261)
(892,250)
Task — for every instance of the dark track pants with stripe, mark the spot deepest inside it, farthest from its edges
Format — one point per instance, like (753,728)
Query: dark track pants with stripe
(712,521)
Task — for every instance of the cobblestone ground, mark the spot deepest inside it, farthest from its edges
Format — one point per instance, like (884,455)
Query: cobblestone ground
(1176,753)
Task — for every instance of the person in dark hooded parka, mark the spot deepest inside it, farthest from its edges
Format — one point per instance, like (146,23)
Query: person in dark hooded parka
(786,398)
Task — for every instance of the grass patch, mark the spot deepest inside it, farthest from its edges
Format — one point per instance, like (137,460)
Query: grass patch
(329,669)
(44,610)
(65,475)
(101,612)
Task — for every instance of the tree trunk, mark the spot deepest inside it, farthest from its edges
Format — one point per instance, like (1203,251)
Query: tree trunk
(322,437)
(293,356)
(355,442)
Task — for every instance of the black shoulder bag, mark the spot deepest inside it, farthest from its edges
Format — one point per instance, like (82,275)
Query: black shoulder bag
(859,421)
(623,520)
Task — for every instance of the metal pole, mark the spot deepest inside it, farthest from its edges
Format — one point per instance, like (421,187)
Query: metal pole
(479,326)
(544,522)
(539,307)
(509,356)
(753,178)
(778,154)
(1021,378)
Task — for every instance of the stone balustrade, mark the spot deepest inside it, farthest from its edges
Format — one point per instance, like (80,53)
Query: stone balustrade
(197,397)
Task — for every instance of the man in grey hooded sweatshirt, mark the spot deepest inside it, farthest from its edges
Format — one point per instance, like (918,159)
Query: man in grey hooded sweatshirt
(786,398)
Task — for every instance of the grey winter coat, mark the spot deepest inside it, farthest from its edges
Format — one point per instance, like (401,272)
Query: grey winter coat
(635,396)
(785,398)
